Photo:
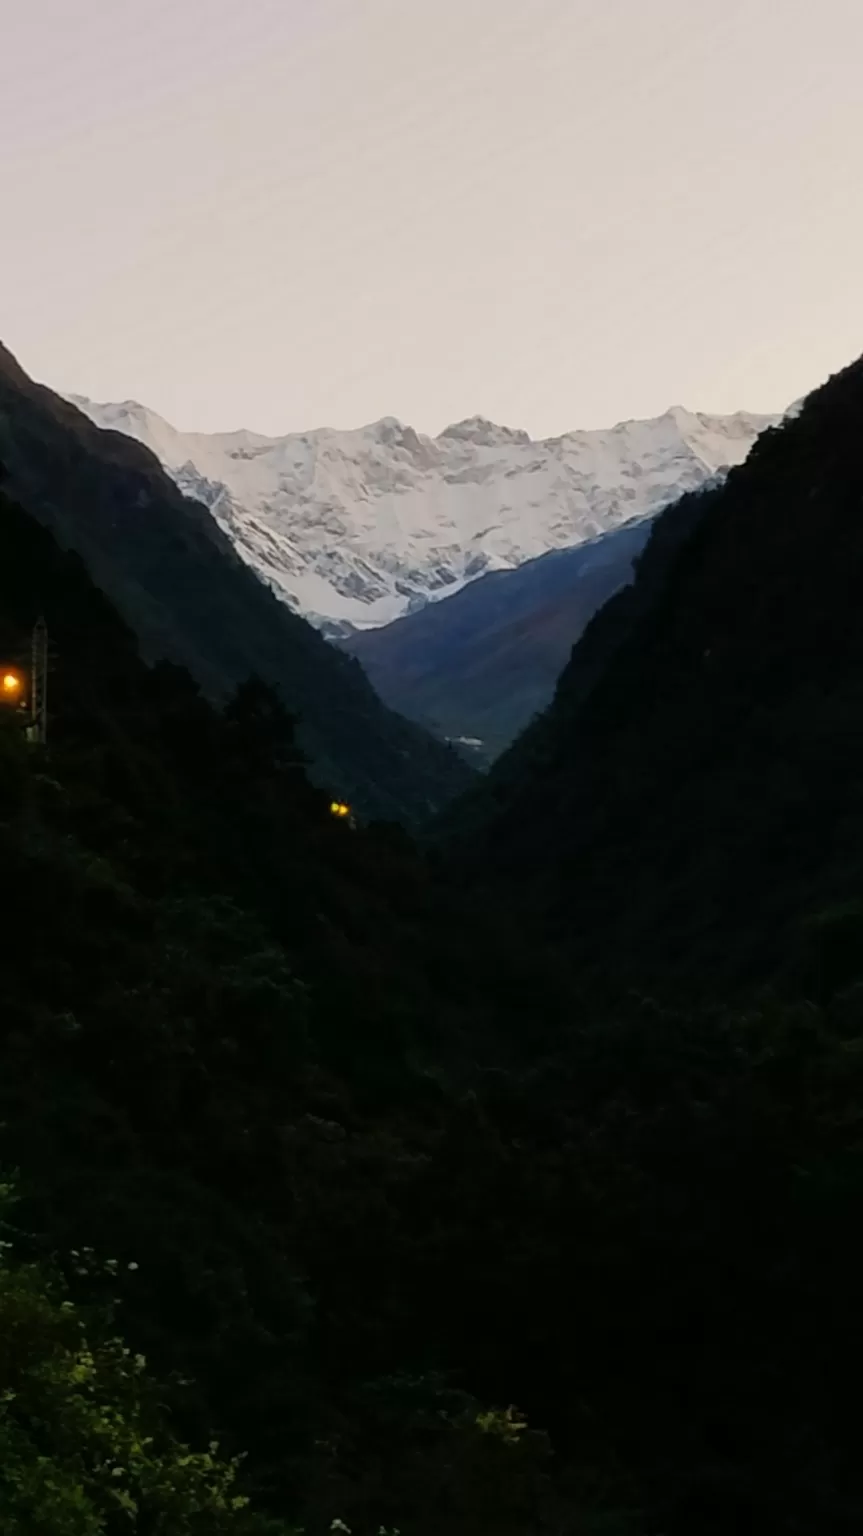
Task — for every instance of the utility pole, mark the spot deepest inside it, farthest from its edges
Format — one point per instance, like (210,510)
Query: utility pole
(39,684)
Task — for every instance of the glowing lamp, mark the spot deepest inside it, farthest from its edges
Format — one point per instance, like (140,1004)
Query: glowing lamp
(11,684)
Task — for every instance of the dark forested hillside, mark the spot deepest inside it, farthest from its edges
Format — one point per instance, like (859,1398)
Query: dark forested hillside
(695,787)
(180,585)
(225,1018)
(460,1203)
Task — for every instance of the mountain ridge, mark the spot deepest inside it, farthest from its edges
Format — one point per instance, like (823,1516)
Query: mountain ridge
(353,529)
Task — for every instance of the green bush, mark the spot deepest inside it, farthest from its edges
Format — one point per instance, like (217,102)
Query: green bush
(84,1447)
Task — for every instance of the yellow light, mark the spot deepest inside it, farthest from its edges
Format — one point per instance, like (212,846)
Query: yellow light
(338,808)
(11,683)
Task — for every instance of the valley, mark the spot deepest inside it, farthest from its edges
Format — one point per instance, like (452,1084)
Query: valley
(463,1151)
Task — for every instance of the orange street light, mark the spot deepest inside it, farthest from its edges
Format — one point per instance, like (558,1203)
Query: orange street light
(11,685)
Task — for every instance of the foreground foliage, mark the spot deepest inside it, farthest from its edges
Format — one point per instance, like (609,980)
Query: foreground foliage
(85,1449)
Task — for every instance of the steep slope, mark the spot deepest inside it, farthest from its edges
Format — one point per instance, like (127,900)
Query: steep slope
(177,580)
(695,785)
(477,666)
(366,1165)
(360,527)
(216,1003)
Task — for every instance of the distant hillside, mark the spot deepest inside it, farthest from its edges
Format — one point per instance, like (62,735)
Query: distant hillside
(695,785)
(479,665)
(180,585)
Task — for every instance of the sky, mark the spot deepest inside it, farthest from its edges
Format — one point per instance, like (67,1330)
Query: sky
(283,214)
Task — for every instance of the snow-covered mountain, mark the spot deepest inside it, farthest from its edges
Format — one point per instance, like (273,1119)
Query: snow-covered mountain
(357,528)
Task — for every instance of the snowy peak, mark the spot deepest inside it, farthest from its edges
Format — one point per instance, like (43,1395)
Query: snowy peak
(134,420)
(355,528)
(713,438)
(484,433)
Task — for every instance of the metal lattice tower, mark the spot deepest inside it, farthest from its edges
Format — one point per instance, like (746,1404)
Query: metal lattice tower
(39,683)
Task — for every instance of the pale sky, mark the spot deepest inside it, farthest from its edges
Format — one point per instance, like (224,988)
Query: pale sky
(282,214)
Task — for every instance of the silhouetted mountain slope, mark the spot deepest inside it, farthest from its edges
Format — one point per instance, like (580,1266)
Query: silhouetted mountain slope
(180,585)
(481,663)
(365,1160)
(695,785)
